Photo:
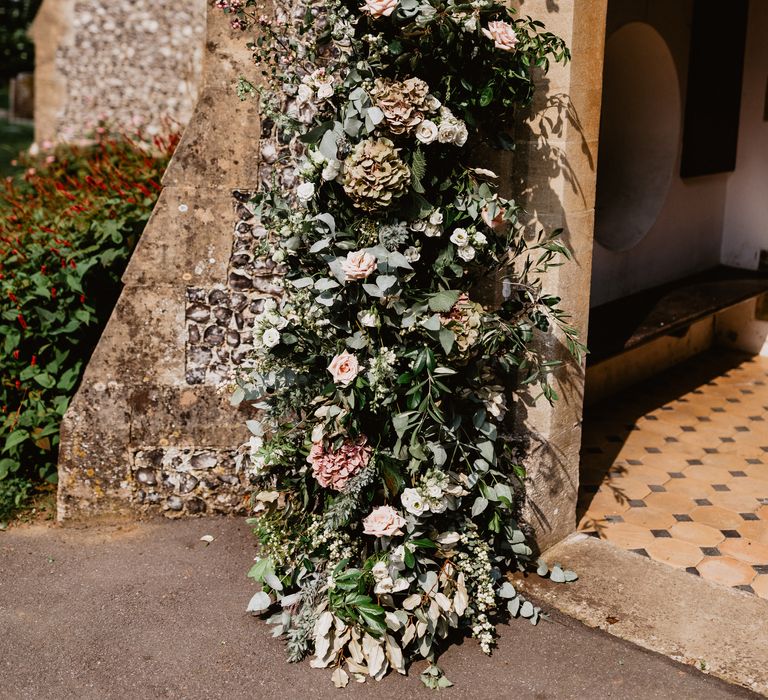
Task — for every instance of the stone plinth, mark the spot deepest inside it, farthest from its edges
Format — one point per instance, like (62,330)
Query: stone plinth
(150,431)
(129,62)
(555,168)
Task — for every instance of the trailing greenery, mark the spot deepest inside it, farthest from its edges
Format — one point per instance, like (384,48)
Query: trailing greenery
(388,370)
(67,228)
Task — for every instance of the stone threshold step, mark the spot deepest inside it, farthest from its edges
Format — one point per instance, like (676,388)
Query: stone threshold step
(719,630)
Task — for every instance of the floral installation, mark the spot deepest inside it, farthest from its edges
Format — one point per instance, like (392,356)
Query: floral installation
(386,482)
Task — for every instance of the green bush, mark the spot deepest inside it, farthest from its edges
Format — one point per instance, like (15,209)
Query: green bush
(67,229)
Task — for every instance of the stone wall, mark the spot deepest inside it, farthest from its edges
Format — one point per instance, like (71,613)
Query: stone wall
(130,62)
(149,430)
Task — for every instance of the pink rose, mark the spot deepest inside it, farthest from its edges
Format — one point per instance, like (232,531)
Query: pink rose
(503,35)
(344,368)
(334,468)
(359,265)
(379,8)
(497,223)
(383,521)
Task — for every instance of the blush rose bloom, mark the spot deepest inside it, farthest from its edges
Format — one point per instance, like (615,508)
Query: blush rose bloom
(359,265)
(380,8)
(383,521)
(344,368)
(503,35)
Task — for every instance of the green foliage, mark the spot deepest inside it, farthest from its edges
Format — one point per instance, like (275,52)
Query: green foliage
(67,228)
(13,494)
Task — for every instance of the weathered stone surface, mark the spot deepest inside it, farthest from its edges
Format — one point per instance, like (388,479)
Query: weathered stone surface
(128,62)
(554,167)
(150,430)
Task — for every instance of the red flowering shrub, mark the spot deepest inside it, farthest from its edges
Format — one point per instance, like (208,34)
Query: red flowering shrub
(67,229)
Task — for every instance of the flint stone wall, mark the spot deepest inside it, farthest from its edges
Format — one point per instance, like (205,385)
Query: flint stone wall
(150,430)
(129,62)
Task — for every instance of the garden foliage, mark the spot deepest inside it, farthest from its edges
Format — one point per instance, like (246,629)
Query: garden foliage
(388,370)
(67,228)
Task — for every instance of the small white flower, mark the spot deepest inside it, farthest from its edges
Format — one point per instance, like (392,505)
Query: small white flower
(460,237)
(304,95)
(305,191)
(413,501)
(436,217)
(331,170)
(269,153)
(324,91)
(438,506)
(434,492)
(384,586)
(367,319)
(418,226)
(271,337)
(433,231)
(427,131)
(479,239)
(467,253)
(270,305)
(412,254)
(380,571)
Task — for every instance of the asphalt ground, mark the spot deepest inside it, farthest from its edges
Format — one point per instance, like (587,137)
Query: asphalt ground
(148,610)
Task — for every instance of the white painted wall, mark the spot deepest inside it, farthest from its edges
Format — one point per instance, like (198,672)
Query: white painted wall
(687,234)
(746,219)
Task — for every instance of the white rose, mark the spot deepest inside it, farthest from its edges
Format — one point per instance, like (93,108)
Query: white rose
(412,254)
(479,239)
(436,217)
(433,231)
(448,131)
(332,170)
(379,8)
(467,253)
(271,337)
(432,103)
(383,521)
(427,131)
(344,368)
(503,35)
(434,492)
(413,501)
(358,265)
(305,191)
(460,237)
(462,134)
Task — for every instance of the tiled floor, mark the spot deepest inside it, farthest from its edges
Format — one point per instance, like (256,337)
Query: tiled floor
(676,469)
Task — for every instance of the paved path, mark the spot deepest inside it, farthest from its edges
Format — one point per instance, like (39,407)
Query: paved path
(150,611)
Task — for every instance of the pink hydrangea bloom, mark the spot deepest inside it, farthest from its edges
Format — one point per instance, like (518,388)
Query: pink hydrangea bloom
(334,468)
